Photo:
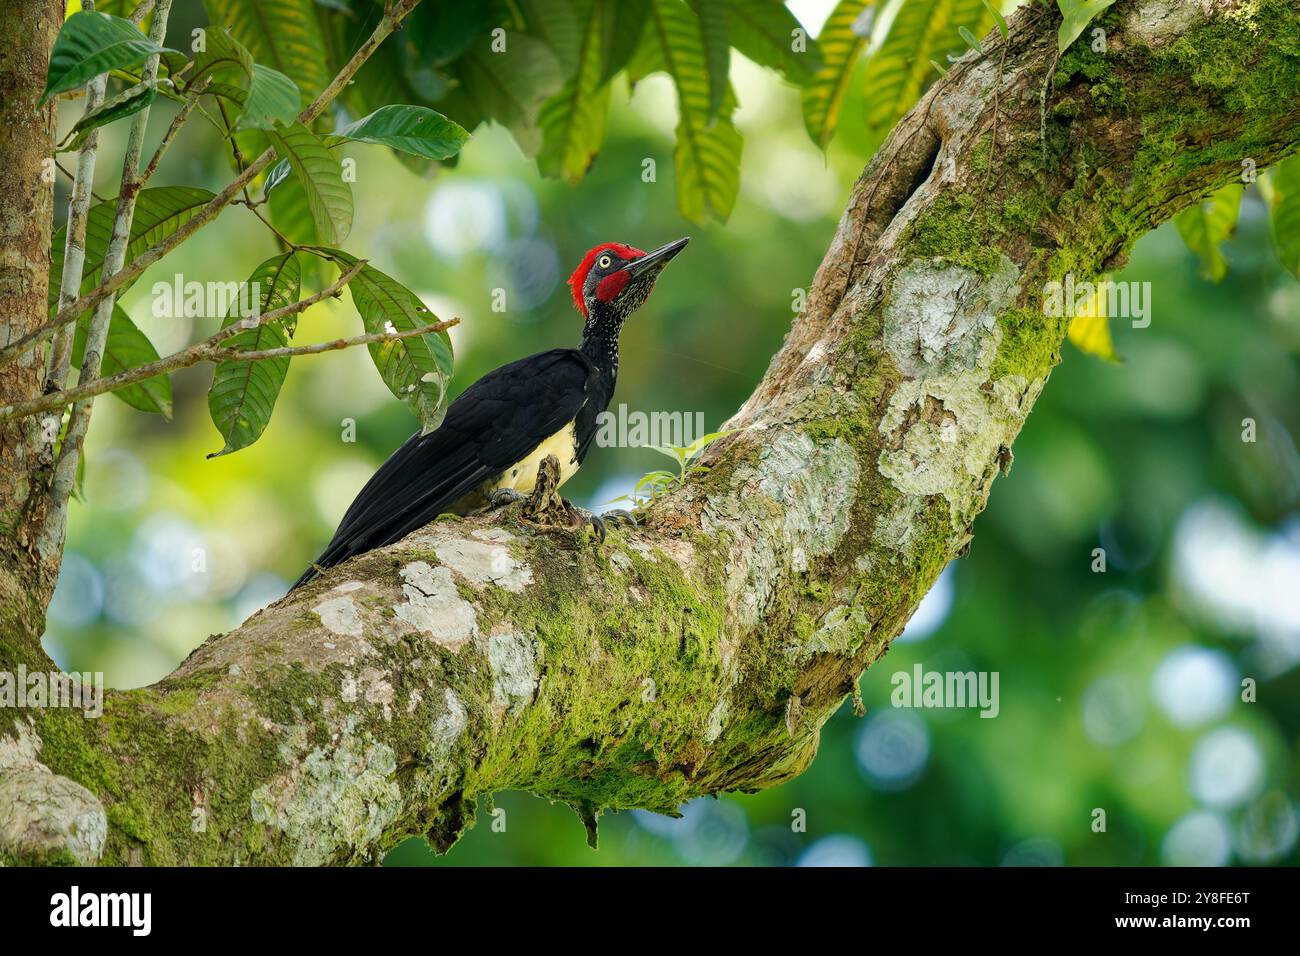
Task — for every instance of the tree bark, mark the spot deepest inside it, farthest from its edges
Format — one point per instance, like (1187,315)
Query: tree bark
(703,651)
(27,570)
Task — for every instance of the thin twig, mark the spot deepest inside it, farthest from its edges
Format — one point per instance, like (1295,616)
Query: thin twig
(65,468)
(287,351)
(203,353)
(177,122)
(142,11)
(73,176)
(112,284)
(182,359)
(74,247)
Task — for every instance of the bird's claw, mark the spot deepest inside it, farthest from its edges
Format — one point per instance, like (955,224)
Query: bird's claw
(505,496)
(620,516)
(600,522)
(595,520)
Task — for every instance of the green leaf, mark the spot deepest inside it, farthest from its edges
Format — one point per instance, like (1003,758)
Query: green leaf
(972,41)
(159,212)
(1076,15)
(278,174)
(764,30)
(704,441)
(554,22)
(242,396)
(127,347)
(842,39)
(711,15)
(273,100)
(707,163)
(126,103)
(328,197)
(998,18)
(410,129)
(923,30)
(1284,180)
(291,214)
(283,34)
(623,26)
(1207,224)
(707,155)
(225,62)
(573,121)
(1089,328)
(510,87)
(416,370)
(90,44)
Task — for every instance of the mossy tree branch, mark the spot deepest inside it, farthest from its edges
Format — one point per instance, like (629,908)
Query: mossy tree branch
(703,651)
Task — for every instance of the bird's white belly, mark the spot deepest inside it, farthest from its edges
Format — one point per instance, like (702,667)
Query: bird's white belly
(523,476)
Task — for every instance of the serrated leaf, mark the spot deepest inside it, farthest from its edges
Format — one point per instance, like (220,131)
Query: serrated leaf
(707,153)
(127,347)
(159,212)
(242,395)
(126,103)
(328,197)
(1207,224)
(573,121)
(283,34)
(842,40)
(90,44)
(1089,328)
(764,30)
(273,100)
(417,130)
(1075,16)
(416,370)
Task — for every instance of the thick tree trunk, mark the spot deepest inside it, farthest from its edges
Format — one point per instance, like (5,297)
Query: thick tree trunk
(28,566)
(704,651)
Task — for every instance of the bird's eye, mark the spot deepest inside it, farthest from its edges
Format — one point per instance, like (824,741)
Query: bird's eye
(604,262)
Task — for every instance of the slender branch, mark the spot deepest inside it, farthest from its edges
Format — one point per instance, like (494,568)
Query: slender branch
(73,176)
(178,121)
(112,284)
(65,468)
(142,11)
(181,359)
(205,352)
(288,351)
(74,248)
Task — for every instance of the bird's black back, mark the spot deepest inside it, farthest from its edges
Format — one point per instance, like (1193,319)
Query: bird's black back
(495,423)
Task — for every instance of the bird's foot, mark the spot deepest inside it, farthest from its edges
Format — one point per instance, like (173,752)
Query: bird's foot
(600,522)
(503,497)
(620,516)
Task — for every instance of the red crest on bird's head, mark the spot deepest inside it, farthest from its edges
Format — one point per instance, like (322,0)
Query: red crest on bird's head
(579,277)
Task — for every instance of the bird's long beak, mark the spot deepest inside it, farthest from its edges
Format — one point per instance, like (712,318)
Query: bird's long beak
(654,261)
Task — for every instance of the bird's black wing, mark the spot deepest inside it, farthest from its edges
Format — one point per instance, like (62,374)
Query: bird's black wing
(494,423)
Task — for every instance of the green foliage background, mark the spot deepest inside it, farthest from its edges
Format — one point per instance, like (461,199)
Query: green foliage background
(1119,691)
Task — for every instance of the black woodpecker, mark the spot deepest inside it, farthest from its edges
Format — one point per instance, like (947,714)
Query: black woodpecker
(488,448)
